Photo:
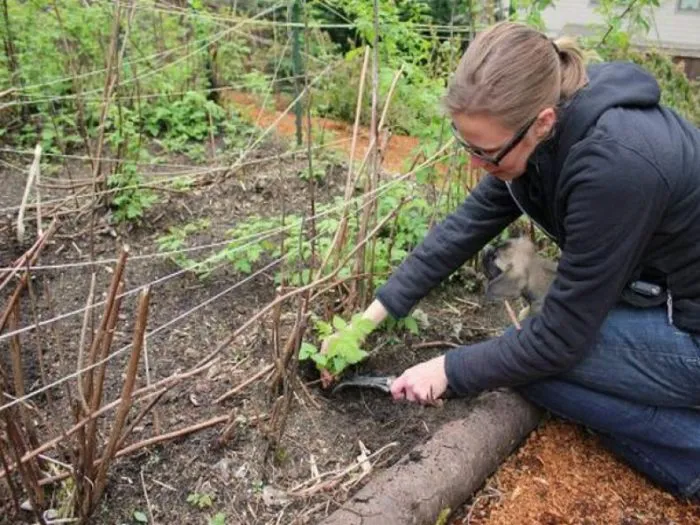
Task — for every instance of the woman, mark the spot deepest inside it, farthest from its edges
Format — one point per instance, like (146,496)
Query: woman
(614,178)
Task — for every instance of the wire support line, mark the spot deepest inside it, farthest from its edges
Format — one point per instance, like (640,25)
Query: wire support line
(161,328)
(148,74)
(374,193)
(254,238)
(162,94)
(202,169)
(156,331)
(169,178)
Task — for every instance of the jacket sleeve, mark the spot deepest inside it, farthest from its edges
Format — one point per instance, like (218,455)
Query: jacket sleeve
(487,210)
(614,201)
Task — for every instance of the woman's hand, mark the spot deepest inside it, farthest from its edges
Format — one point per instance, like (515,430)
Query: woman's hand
(423,383)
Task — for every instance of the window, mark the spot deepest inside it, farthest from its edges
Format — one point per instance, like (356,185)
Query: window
(689,5)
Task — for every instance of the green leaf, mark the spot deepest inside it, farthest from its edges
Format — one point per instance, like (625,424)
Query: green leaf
(306,351)
(338,323)
(218,519)
(412,325)
(140,516)
(337,365)
(324,329)
(243,266)
(354,355)
(363,325)
(320,359)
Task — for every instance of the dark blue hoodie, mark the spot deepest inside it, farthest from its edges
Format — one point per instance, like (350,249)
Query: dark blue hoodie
(618,188)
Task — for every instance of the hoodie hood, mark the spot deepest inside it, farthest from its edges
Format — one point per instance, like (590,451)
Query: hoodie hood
(611,85)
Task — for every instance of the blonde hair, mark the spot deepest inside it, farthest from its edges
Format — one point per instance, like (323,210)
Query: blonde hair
(512,71)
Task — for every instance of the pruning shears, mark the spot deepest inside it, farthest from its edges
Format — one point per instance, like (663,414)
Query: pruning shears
(378,382)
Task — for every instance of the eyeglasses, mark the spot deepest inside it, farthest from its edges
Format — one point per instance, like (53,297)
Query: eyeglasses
(493,160)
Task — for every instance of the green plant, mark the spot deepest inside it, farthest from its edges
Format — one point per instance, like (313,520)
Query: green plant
(140,516)
(344,341)
(130,199)
(218,519)
(184,119)
(319,172)
(415,105)
(175,241)
(409,323)
(443,516)
(257,237)
(200,500)
(182,183)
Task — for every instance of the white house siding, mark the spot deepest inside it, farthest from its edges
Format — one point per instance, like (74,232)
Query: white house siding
(673,30)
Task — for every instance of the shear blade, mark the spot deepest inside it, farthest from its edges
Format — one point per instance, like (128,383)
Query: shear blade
(382,383)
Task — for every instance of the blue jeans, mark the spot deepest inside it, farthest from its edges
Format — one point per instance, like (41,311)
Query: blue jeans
(637,388)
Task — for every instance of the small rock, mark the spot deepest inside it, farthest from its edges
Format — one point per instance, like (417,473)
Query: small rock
(213,371)
(223,469)
(26,505)
(273,497)
(457,330)
(422,318)
(202,387)
(242,471)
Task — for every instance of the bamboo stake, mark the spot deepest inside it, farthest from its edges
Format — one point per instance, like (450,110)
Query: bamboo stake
(92,389)
(110,82)
(349,181)
(368,202)
(81,345)
(33,174)
(125,406)
(23,280)
(109,306)
(29,472)
(10,483)
(98,382)
(154,390)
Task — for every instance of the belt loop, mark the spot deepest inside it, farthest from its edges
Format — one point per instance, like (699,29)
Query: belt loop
(669,306)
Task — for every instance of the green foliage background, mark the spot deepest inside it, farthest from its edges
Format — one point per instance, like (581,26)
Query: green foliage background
(177,58)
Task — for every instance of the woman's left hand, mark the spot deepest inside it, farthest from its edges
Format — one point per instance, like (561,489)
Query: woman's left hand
(423,383)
